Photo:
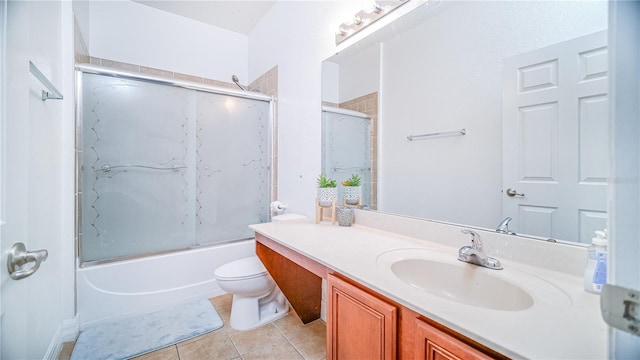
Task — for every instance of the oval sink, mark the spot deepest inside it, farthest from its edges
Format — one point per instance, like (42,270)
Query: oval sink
(440,273)
(463,283)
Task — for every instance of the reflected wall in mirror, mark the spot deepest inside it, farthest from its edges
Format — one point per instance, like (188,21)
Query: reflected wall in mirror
(528,82)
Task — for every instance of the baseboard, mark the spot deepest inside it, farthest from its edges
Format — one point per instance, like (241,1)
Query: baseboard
(68,330)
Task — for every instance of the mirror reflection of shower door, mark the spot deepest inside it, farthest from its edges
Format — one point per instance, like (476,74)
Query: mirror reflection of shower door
(346,150)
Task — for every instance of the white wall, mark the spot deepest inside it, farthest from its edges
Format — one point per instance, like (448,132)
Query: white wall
(330,82)
(297,36)
(455,78)
(130,32)
(348,77)
(82,13)
(360,74)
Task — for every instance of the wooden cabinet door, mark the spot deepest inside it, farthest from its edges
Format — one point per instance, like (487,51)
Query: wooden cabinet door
(359,325)
(433,344)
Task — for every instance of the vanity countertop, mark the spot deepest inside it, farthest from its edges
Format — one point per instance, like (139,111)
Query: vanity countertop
(565,325)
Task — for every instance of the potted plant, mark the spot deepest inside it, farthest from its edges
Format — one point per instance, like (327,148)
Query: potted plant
(327,190)
(352,190)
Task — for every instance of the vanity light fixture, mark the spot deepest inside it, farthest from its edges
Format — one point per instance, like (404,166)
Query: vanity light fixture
(365,18)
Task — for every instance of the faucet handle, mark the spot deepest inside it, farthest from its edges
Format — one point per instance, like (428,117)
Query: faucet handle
(476,243)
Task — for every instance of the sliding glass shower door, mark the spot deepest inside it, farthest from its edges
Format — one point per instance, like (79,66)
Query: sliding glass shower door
(164,167)
(346,150)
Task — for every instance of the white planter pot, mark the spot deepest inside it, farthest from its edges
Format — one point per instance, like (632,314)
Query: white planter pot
(326,196)
(352,195)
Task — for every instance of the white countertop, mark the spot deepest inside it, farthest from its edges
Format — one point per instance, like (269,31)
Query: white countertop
(563,323)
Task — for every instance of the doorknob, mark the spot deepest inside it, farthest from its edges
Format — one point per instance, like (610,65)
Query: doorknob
(19,256)
(512,192)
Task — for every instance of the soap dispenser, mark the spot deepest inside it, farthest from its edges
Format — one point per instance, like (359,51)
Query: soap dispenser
(595,273)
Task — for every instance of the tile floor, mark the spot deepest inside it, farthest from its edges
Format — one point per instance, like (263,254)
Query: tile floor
(286,339)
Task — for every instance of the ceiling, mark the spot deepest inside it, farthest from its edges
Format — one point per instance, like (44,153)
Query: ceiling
(239,16)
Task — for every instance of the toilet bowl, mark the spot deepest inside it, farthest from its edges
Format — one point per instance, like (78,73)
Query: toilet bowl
(257,299)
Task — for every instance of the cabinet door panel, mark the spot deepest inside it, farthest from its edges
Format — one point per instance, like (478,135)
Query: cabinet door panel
(359,325)
(433,344)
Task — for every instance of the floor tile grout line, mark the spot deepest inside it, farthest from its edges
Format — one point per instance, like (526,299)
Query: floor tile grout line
(177,351)
(289,342)
(234,345)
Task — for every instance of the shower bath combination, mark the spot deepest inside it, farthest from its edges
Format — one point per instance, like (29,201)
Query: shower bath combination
(169,178)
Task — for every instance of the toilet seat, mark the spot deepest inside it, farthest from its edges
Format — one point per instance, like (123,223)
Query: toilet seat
(246,268)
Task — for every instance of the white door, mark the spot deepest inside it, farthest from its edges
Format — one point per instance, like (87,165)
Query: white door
(31,178)
(555,139)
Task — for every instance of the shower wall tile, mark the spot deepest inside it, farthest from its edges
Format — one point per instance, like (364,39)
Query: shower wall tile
(156,72)
(80,51)
(219,83)
(267,84)
(185,77)
(120,65)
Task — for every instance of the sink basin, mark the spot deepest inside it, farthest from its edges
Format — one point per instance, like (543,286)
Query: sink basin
(441,274)
(459,282)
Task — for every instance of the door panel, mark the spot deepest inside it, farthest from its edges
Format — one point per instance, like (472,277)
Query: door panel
(555,139)
(31,176)
(350,310)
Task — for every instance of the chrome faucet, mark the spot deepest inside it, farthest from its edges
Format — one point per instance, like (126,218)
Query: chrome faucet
(503,227)
(475,254)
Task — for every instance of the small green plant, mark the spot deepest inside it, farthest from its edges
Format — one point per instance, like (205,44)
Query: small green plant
(354,180)
(324,182)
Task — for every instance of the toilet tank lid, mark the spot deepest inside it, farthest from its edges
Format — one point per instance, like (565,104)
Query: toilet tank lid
(289,216)
(241,268)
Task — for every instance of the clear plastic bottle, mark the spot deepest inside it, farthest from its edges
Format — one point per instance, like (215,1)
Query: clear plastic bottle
(595,273)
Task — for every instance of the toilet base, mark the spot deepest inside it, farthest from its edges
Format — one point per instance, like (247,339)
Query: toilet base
(250,312)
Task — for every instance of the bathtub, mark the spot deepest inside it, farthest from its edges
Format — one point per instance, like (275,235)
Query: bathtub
(128,288)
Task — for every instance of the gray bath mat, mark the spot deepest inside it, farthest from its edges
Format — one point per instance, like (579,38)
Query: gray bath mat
(139,335)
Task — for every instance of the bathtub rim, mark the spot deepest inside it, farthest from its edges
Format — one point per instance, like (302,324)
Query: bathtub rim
(131,258)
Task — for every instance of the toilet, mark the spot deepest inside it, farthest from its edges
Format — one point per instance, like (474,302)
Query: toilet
(257,299)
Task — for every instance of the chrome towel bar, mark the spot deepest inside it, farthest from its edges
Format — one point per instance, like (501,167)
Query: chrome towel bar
(446,133)
(108,168)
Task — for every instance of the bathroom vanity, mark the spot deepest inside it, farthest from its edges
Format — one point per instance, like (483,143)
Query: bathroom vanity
(395,289)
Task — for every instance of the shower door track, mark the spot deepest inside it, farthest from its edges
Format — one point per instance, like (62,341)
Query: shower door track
(101,70)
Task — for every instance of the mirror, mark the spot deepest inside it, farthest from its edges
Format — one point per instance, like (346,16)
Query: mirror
(513,96)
